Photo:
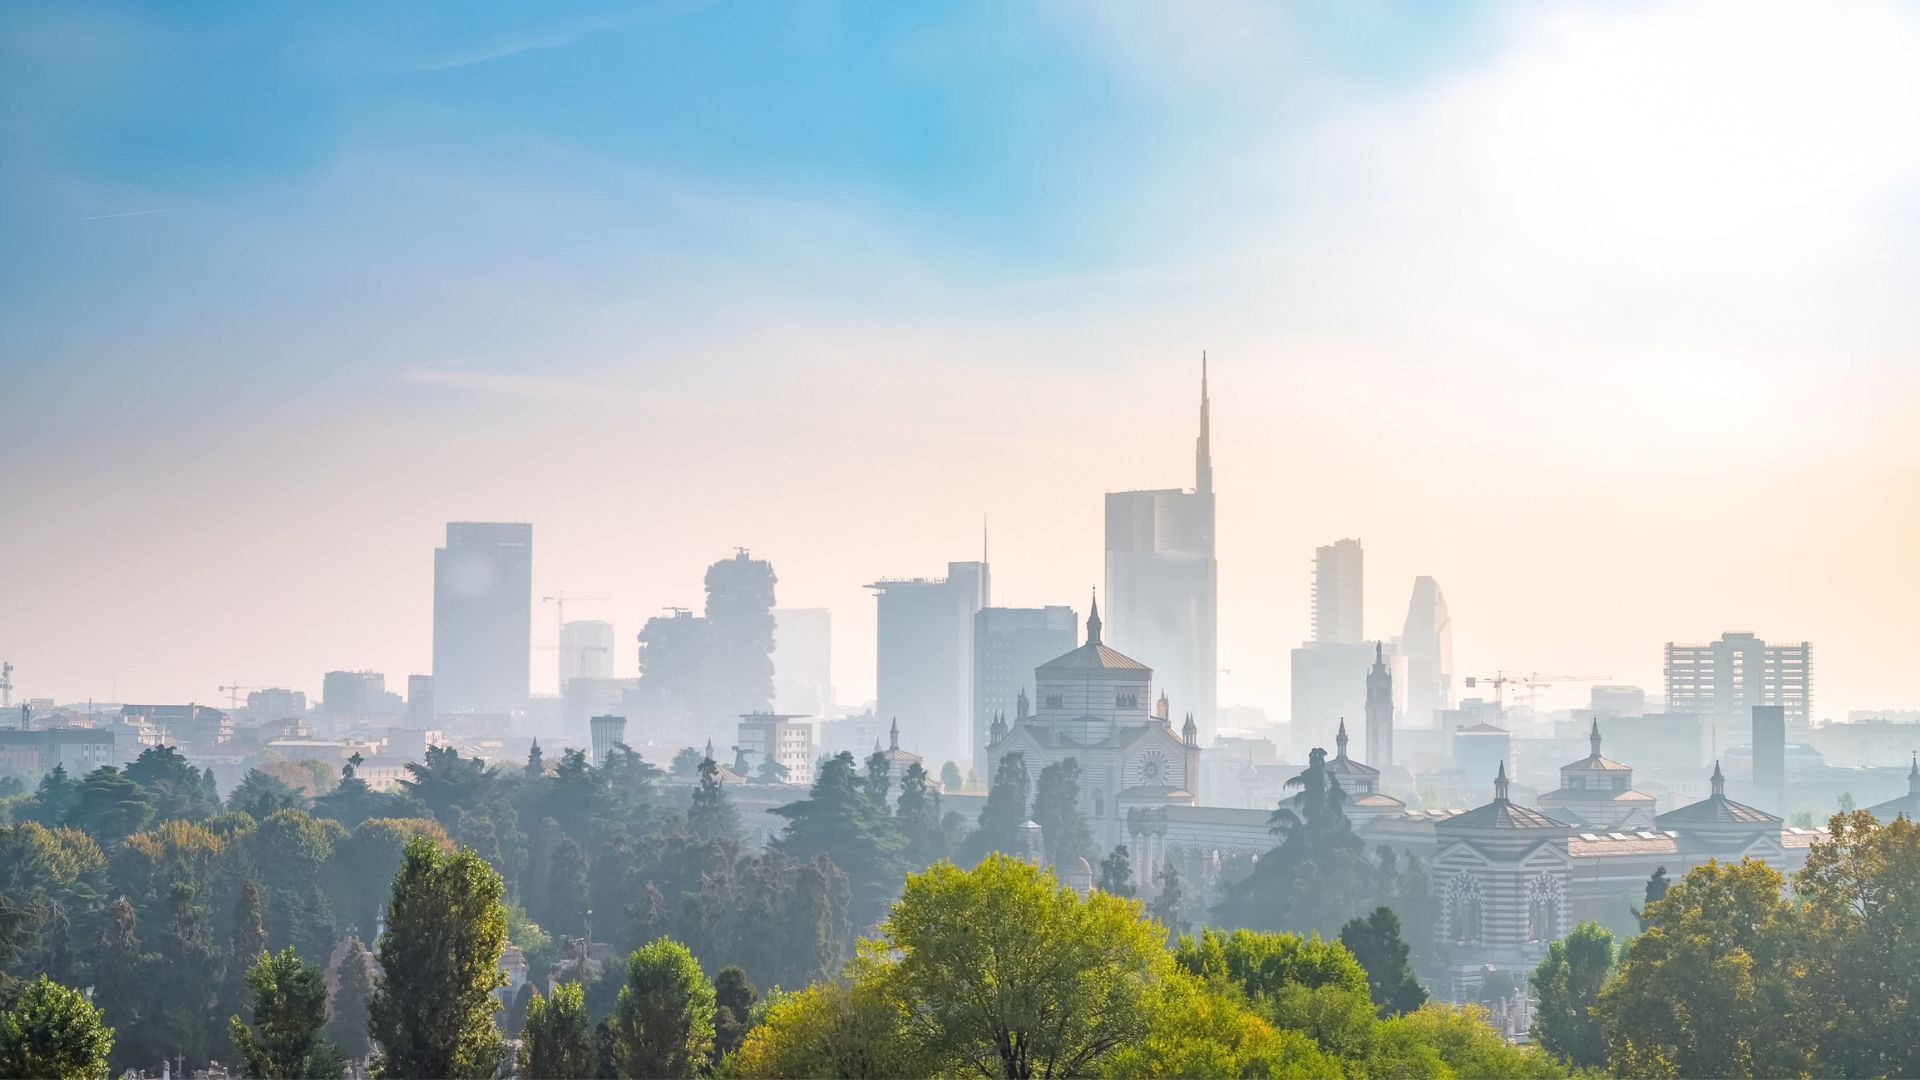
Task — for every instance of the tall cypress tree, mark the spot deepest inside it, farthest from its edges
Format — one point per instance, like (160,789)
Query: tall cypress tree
(1056,808)
(664,1017)
(433,1004)
(566,890)
(711,815)
(1005,811)
(838,819)
(919,814)
(352,998)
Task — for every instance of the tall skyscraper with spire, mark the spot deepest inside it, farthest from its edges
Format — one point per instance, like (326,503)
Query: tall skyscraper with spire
(1379,711)
(1163,580)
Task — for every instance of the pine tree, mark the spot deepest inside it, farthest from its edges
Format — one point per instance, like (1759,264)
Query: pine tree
(711,815)
(733,998)
(352,998)
(1170,904)
(566,890)
(1375,942)
(918,812)
(245,945)
(536,766)
(1116,872)
(1056,809)
(878,783)
(56,949)
(1656,890)
(284,1041)
(837,819)
(433,1005)
(1005,811)
(950,777)
(118,967)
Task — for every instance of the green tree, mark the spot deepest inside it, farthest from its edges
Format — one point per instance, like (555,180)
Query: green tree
(1116,872)
(1004,972)
(1295,982)
(179,791)
(1169,905)
(1656,889)
(53,1032)
(950,777)
(838,819)
(878,782)
(1709,988)
(832,1029)
(733,998)
(663,1020)
(347,1020)
(119,967)
(261,795)
(1375,942)
(711,815)
(557,1038)
(567,889)
(1319,876)
(1005,810)
(110,807)
(433,1003)
(918,812)
(686,762)
(1860,927)
(1568,983)
(360,871)
(284,1041)
(53,801)
(1056,809)
(536,765)
(246,941)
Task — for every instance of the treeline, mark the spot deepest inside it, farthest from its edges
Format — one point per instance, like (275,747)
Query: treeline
(1733,976)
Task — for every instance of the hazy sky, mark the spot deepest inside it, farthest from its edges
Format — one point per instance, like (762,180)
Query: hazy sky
(1602,314)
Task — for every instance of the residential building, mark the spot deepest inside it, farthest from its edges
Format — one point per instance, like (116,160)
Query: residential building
(788,739)
(1723,680)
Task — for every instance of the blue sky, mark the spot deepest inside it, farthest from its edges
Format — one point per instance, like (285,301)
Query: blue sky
(1505,289)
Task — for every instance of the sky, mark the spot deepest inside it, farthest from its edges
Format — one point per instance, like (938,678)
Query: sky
(1601,314)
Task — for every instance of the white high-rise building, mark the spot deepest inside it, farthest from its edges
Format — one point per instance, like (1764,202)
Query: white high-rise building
(1427,644)
(586,651)
(803,661)
(1338,571)
(1727,678)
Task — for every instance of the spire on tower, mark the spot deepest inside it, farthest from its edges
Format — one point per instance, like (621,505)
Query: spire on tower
(1093,620)
(893,734)
(1719,781)
(1500,783)
(1340,740)
(1593,737)
(1203,446)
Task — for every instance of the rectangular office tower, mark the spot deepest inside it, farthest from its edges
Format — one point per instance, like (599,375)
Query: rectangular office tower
(482,617)
(1725,679)
(924,661)
(1008,643)
(1338,585)
(1163,582)
(803,661)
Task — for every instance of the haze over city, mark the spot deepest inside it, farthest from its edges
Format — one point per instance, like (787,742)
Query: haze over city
(1587,311)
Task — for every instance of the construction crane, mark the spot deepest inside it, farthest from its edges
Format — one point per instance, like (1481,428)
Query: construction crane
(6,683)
(233,695)
(559,602)
(1532,682)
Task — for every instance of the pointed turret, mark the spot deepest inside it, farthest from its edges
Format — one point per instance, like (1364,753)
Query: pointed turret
(893,735)
(1340,741)
(1163,708)
(1022,705)
(1093,621)
(999,729)
(1719,782)
(1913,777)
(1190,732)
(1500,784)
(1593,737)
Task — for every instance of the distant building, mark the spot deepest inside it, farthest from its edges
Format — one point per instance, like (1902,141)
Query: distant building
(1379,708)
(924,670)
(1725,679)
(1094,705)
(357,693)
(1481,749)
(1338,577)
(586,651)
(275,703)
(420,700)
(1426,642)
(803,661)
(607,732)
(1770,756)
(483,617)
(587,698)
(1163,580)
(1597,792)
(1908,805)
(1329,685)
(853,734)
(787,739)
(30,755)
(1617,700)
(1008,643)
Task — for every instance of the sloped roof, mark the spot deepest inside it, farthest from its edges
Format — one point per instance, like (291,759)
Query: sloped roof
(1596,763)
(1716,810)
(1502,814)
(1480,728)
(1093,656)
(1579,795)
(1345,766)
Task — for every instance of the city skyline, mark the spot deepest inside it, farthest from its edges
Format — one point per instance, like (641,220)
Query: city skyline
(1548,434)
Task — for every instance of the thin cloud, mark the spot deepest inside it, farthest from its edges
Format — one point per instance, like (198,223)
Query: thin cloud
(515,44)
